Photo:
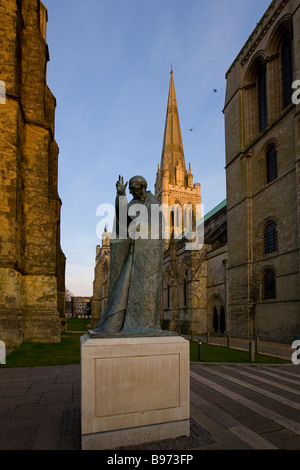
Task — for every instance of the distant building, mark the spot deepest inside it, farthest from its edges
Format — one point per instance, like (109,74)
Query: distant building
(101,278)
(81,307)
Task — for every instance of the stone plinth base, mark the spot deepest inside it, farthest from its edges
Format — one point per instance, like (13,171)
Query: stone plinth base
(134,390)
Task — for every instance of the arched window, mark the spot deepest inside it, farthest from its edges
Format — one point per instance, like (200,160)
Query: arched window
(188,216)
(172,220)
(222,320)
(176,218)
(262,96)
(271,163)
(270,238)
(287,69)
(215,320)
(269,285)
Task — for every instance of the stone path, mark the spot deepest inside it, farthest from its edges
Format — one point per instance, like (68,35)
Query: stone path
(233,407)
(37,405)
(248,406)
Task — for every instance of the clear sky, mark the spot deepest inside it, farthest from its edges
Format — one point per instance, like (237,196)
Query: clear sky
(109,70)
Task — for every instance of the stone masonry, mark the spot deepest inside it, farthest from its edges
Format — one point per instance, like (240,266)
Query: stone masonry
(32,264)
(261,120)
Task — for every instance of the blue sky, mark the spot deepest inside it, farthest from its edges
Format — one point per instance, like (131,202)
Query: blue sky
(109,70)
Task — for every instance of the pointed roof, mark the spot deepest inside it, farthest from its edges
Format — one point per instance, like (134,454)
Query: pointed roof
(172,151)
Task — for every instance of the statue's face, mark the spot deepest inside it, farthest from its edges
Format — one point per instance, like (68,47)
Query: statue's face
(137,188)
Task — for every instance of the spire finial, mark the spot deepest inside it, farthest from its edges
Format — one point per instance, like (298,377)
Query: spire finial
(171,68)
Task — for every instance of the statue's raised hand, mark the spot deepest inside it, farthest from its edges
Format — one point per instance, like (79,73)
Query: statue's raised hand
(121,187)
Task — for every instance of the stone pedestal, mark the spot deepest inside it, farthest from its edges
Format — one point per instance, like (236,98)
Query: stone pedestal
(134,390)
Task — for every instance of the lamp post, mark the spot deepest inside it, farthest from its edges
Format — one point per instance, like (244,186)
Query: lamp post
(199,350)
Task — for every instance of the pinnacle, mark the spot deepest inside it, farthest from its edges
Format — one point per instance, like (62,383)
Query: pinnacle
(172,152)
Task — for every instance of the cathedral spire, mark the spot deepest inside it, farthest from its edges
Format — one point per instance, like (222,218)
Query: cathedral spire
(174,183)
(172,159)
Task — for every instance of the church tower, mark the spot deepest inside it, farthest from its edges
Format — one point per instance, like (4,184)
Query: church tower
(174,183)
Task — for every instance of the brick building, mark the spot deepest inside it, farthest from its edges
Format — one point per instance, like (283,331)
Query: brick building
(80,307)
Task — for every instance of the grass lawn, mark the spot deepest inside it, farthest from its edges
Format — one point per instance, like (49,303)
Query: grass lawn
(211,353)
(40,354)
(78,324)
(68,351)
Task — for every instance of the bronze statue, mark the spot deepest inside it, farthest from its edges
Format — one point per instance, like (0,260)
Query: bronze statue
(134,299)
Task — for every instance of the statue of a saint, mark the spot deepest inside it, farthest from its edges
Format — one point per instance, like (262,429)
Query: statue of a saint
(134,298)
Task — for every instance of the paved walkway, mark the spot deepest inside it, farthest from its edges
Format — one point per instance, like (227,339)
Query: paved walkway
(248,406)
(40,408)
(264,347)
(233,407)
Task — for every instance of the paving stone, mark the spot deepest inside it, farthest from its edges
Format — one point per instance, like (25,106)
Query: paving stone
(46,370)
(20,400)
(231,442)
(199,437)
(8,372)
(50,398)
(26,416)
(48,435)
(6,412)
(258,423)
(71,376)
(27,380)
(38,388)
(210,424)
(282,444)
(43,379)
(293,442)
(16,391)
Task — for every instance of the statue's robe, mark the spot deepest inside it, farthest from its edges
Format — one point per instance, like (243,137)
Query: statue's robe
(134,298)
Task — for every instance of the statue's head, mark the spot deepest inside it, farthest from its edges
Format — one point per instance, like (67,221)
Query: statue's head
(138,187)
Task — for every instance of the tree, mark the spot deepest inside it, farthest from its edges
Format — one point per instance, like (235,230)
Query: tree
(88,308)
(68,295)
